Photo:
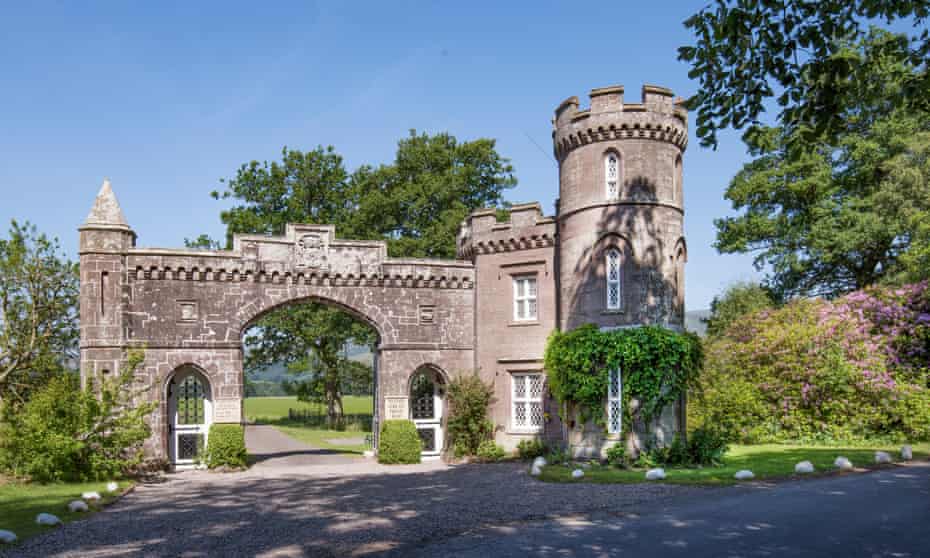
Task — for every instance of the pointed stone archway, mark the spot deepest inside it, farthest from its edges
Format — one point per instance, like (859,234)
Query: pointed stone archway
(190,307)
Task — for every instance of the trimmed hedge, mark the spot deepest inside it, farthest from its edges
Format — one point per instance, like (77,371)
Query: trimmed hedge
(399,442)
(226,446)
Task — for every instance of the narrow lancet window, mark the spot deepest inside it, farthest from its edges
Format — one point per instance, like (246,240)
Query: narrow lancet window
(612,174)
(612,265)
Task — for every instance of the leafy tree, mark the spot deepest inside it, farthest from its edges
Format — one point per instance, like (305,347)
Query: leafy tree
(843,214)
(747,53)
(416,204)
(736,301)
(203,242)
(38,312)
(69,432)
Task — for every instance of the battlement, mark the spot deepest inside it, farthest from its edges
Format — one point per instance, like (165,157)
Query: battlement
(659,117)
(526,228)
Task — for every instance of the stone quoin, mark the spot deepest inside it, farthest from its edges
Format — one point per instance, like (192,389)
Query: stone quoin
(613,254)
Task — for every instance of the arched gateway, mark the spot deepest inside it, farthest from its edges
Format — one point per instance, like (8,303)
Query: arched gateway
(189,309)
(612,255)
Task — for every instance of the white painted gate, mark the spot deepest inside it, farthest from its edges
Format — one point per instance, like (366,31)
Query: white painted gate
(190,412)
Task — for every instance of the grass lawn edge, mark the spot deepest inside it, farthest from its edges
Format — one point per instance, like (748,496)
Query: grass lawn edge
(29,529)
(723,476)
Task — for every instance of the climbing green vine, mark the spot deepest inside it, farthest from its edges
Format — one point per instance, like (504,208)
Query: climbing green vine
(657,367)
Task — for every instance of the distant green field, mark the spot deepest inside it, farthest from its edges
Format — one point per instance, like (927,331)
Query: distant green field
(275,408)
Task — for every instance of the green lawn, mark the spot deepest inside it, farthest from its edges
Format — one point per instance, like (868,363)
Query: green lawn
(21,503)
(275,408)
(767,461)
(319,438)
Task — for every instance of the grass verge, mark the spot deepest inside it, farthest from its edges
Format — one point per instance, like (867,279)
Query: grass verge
(264,409)
(20,503)
(766,461)
(319,438)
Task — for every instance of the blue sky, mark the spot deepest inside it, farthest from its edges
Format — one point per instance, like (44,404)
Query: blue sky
(167,98)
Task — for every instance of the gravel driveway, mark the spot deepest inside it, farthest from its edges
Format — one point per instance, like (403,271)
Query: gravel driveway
(333,510)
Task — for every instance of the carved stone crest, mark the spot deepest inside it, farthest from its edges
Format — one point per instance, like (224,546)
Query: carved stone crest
(311,252)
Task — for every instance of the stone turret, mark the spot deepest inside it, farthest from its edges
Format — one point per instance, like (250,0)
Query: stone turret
(620,192)
(105,240)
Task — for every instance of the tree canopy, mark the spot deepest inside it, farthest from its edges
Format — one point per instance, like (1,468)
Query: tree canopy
(416,203)
(738,300)
(846,213)
(38,312)
(748,53)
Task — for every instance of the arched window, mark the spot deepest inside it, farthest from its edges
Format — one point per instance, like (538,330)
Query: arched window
(612,268)
(612,175)
(676,187)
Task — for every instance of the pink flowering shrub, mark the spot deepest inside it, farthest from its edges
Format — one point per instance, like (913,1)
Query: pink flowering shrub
(852,368)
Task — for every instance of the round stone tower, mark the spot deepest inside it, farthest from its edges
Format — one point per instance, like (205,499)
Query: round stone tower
(621,248)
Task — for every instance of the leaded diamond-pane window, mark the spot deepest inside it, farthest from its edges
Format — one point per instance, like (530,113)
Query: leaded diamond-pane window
(614,402)
(613,273)
(612,175)
(524,298)
(527,401)
(189,445)
(428,437)
(190,401)
(423,406)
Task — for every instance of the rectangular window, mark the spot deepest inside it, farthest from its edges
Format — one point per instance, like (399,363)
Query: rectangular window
(524,299)
(614,402)
(526,401)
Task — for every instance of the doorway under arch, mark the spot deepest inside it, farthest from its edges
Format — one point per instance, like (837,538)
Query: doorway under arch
(190,413)
(427,408)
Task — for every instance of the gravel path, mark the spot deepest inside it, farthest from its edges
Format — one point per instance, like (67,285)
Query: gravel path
(351,509)
(272,450)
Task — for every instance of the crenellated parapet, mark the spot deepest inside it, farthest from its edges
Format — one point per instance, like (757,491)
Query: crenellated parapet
(305,255)
(658,117)
(527,228)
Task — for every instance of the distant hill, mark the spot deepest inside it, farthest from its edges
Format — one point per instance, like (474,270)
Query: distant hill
(694,321)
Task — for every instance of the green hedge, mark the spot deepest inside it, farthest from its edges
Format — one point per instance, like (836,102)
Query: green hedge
(399,442)
(226,446)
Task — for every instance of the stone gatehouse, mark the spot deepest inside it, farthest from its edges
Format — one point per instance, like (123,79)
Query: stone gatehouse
(613,255)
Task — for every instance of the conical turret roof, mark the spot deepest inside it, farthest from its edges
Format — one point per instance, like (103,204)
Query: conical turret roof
(106,210)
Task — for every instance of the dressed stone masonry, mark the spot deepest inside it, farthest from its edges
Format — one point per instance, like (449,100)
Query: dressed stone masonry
(613,255)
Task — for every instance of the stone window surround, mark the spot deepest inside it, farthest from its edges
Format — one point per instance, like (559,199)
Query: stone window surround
(618,180)
(512,428)
(599,253)
(528,278)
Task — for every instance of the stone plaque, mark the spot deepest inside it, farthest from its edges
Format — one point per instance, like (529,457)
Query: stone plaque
(396,408)
(227,411)
(312,252)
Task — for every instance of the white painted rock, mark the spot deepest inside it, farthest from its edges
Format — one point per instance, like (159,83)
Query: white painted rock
(112,487)
(882,457)
(907,453)
(535,471)
(655,474)
(7,536)
(577,474)
(745,474)
(77,506)
(92,496)
(842,464)
(540,462)
(804,467)
(47,519)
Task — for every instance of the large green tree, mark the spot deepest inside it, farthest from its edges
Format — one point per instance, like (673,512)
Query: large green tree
(844,212)
(38,312)
(416,204)
(748,53)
